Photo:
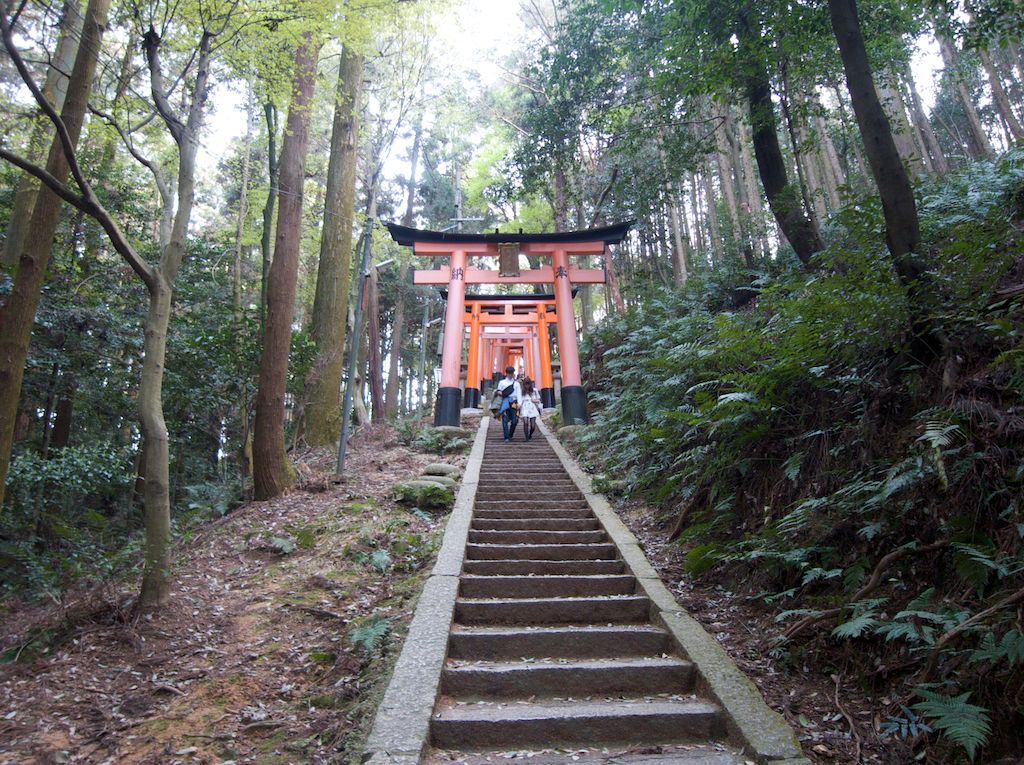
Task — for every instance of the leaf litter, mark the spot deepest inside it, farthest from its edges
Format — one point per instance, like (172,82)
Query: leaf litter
(251,661)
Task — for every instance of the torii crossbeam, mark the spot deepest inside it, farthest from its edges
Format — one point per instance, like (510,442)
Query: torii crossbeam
(560,273)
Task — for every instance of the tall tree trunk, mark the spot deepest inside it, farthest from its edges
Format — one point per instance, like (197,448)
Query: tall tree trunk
(854,159)
(55,90)
(699,239)
(833,170)
(375,371)
(398,326)
(334,273)
(783,198)
(980,146)
(753,193)
(244,424)
(799,162)
(272,471)
(63,414)
(710,201)
(896,113)
(156,574)
(270,113)
(898,206)
(18,311)
(1000,98)
(929,138)
(726,180)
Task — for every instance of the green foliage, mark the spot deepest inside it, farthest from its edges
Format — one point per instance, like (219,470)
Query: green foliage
(381,560)
(58,523)
(966,724)
(442,440)
(799,442)
(424,494)
(284,545)
(369,636)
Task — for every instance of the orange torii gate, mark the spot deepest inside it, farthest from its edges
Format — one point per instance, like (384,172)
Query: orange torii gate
(458,248)
(498,326)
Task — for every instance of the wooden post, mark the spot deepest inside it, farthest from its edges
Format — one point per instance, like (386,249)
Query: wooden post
(471,398)
(448,408)
(574,398)
(547,385)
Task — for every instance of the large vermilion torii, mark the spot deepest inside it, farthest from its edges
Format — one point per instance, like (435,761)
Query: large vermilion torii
(458,248)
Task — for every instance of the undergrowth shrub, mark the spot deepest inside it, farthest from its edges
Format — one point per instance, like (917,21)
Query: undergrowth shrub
(871,497)
(60,521)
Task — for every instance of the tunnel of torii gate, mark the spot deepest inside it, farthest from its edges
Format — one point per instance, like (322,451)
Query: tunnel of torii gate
(506,327)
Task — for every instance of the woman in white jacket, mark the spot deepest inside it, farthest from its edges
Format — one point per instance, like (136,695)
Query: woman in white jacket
(529,407)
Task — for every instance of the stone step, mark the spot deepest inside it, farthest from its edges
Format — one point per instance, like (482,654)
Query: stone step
(499,471)
(473,586)
(609,609)
(519,492)
(596,677)
(530,504)
(605,551)
(478,726)
(551,512)
(579,642)
(543,567)
(536,537)
(548,524)
(667,754)
(504,484)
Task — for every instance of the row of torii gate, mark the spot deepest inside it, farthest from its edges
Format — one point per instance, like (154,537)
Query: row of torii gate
(508,330)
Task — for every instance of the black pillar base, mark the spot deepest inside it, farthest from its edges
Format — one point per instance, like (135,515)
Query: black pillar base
(496,377)
(547,398)
(574,405)
(471,398)
(448,407)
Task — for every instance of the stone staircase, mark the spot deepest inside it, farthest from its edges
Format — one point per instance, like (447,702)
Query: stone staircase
(552,653)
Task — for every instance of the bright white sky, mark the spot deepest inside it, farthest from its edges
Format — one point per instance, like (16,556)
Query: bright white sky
(475,37)
(473,40)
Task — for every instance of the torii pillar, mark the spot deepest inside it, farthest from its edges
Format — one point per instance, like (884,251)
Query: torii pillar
(547,383)
(574,398)
(449,395)
(472,396)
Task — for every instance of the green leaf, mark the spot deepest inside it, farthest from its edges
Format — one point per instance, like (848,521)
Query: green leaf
(283,545)
(381,560)
(856,626)
(368,636)
(966,724)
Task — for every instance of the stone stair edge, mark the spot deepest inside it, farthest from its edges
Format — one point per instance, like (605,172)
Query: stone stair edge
(400,731)
(750,722)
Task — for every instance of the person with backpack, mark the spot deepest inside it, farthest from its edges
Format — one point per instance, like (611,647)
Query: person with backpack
(510,392)
(529,407)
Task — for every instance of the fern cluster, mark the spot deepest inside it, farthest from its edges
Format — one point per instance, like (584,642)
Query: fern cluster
(798,441)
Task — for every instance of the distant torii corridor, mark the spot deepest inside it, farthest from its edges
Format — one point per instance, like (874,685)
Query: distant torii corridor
(506,327)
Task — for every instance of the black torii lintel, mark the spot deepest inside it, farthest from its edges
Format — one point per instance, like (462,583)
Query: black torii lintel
(407,236)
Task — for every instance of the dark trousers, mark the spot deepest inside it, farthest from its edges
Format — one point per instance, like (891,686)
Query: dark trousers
(509,418)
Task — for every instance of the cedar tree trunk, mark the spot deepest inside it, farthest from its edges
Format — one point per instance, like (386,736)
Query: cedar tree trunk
(783,198)
(334,273)
(898,206)
(17,314)
(272,471)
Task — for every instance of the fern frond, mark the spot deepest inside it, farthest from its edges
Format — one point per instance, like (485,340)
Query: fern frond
(966,724)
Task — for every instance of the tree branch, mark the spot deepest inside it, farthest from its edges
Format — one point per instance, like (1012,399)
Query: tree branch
(933,657)
(604,195)
(871,585)
(151,43)
(44,105)
(91,206)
